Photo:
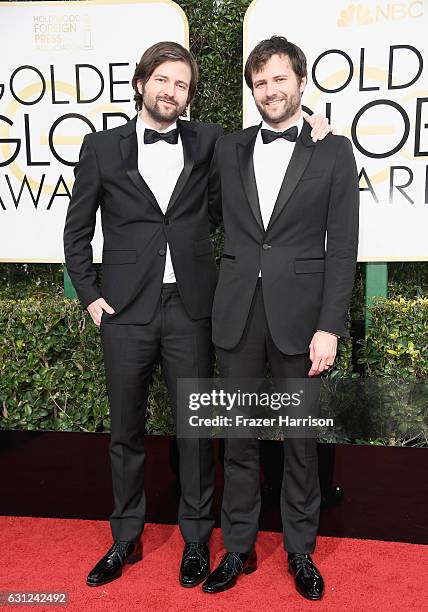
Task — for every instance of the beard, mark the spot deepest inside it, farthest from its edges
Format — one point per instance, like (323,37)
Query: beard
(290,107)
(160,112)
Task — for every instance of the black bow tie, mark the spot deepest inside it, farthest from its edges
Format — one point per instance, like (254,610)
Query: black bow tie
(290,134)
(151,136)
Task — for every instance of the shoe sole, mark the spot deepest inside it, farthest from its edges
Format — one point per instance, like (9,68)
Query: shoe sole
(246,571)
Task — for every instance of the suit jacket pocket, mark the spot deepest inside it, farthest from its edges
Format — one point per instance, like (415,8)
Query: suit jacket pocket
(124,256)
(308,266)
(203,247)
(311,175)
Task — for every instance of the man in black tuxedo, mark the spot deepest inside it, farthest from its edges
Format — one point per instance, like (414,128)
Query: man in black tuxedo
(290,213)
(150,179)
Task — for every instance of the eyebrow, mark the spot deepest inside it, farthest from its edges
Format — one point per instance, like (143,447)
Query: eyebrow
(163,76)
(277,76)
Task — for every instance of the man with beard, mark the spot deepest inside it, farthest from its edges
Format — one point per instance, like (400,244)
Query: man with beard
(150,179)
(290,214)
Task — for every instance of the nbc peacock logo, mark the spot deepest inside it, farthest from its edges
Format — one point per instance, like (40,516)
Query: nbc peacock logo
(355,14)
(363,15)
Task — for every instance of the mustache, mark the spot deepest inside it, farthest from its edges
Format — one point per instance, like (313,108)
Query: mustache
(165,99)
(275,99)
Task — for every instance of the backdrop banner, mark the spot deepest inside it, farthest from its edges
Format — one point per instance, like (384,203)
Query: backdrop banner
(66,70)
(366,73)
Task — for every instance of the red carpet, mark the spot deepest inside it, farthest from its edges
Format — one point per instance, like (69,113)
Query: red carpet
(55,555)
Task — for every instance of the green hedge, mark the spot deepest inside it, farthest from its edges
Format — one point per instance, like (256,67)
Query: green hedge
(51,370)
(52,377)
(388,404)
(396,343)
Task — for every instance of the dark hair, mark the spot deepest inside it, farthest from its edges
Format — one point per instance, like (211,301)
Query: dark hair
(276,45)
(158,54)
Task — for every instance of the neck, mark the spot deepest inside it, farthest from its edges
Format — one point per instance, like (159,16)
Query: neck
(159,126)
(283,125)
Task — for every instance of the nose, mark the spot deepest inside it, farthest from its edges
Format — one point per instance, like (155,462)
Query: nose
(170,89)
(270,89)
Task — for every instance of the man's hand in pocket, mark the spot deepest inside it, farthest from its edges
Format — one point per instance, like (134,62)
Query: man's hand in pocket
(96,309)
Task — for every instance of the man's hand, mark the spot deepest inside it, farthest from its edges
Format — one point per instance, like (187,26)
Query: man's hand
(320,126)
(322,352)
(96,308)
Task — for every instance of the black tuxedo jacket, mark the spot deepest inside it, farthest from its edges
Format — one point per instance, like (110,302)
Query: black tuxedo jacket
(307,280)
(135,229)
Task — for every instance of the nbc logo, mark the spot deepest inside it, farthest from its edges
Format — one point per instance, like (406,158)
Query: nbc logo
(363,15)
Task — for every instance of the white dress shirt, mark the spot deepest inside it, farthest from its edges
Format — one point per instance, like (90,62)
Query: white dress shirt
(270,164)
(160,164)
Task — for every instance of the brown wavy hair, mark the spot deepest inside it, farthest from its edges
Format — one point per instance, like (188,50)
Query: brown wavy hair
(158,54)
(276,45)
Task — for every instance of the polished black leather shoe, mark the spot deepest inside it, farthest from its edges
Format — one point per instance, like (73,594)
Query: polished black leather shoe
(110,566)
(307,578)
(231,566)
(195,564)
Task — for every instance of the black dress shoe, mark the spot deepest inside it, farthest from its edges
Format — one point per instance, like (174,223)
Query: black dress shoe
(195,564)
(110,566)
(231,566)
(307,578)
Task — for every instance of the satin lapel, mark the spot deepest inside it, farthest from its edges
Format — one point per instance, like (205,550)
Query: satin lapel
(129,150)
(189,139)
(245,152)
(302,153)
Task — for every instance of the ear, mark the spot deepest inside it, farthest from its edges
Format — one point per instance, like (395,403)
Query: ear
(140,87)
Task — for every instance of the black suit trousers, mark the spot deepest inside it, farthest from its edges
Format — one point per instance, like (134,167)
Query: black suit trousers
(183,346)
(300,493)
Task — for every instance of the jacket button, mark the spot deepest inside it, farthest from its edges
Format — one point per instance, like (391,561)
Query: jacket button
(162,252)
(266,247)
(166,222)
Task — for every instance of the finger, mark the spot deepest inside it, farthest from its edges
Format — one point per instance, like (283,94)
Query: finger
(320,129)
(95,317)
(315,367)
(323,364)
(106,307)
(323,131)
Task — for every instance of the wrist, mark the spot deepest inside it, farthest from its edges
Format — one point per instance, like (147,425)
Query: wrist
(326,332)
